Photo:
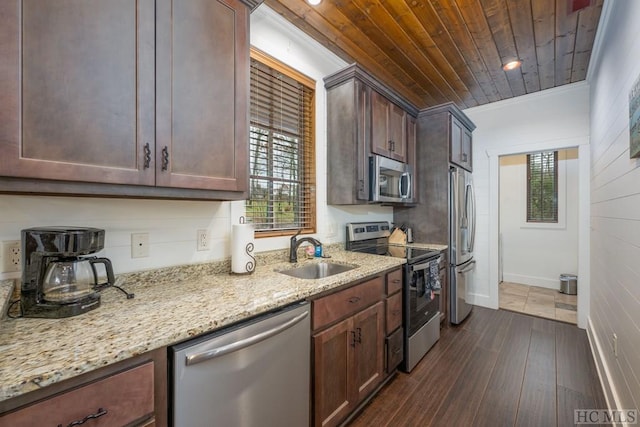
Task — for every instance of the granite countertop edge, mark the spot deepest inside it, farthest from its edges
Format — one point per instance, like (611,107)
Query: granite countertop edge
(171,305)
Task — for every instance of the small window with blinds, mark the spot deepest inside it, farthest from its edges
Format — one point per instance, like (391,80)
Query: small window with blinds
(281,148)
(542,187)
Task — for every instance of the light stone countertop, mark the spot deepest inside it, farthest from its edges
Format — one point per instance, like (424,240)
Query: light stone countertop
(170,305)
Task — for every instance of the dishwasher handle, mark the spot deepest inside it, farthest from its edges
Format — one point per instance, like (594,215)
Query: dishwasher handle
(192,359)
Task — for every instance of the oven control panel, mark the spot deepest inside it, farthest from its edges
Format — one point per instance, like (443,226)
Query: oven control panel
(367,230)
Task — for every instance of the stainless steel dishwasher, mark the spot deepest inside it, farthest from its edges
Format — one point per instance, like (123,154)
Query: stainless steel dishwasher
(256,373)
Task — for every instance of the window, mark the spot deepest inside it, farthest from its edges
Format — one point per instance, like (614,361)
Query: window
(281,149)
(542,187)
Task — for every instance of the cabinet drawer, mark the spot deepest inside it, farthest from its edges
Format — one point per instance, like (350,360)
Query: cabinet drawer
(395,349)
(124,398)
(394,312)
(343,303)
(394,281)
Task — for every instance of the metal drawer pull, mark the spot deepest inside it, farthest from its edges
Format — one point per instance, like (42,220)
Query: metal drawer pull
(353,338)
(98,414)
(192,359)
(396,280)
(354,300)
(359,340)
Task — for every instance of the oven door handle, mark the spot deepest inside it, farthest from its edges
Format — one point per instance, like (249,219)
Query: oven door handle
(423,266)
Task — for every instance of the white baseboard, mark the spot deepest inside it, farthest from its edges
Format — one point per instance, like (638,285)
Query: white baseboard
(542,282)
(609,389)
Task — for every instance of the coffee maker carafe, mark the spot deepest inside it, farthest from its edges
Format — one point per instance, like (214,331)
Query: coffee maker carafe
(58,280)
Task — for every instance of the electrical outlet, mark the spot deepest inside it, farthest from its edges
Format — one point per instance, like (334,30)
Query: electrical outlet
(139,245)
(203,240)
(11,256)
(615,345)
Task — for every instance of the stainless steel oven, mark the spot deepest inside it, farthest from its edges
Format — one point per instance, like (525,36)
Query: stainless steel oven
(420,288)
(422,308)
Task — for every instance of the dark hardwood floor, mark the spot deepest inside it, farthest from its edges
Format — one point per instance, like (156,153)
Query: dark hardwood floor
(498,368)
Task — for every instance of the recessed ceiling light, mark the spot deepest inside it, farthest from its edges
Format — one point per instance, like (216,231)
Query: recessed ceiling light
(512,65)
(314,2)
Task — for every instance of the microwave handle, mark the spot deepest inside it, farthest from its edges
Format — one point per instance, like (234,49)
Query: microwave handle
(407,176)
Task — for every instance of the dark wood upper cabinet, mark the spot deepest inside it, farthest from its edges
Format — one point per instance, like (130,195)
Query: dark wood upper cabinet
(460,145)
(78,79)
(363,118)
(202,89)
(388,136)
(147,93)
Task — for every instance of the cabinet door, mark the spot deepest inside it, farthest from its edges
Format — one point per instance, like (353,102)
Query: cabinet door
(455,143)
(460,145)
(202,94)
(368,368)
(397,132)
(411,155)
(332,371)
(77,85)
(467,159)
(380,142)
(394,312)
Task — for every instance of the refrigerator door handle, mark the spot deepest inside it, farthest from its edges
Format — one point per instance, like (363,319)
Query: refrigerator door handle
(472,214)
(468,268)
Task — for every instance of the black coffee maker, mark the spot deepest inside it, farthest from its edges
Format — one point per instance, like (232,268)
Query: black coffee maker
(57,281)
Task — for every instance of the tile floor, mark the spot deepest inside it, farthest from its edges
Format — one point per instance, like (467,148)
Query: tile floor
(541,302)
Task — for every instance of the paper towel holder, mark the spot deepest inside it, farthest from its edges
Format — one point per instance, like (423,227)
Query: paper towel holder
(250,266)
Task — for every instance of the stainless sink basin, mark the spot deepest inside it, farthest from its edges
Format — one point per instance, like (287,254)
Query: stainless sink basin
(317,270)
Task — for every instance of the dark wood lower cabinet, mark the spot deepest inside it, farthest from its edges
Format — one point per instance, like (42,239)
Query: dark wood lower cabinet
(132,393)
(348,350)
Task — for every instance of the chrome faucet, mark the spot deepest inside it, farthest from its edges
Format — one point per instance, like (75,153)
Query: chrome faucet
(295,244)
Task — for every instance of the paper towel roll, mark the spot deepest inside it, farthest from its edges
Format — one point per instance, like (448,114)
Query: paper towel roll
(242,260)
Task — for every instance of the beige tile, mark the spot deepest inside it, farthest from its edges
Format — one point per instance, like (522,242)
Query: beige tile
(566,316)
(538,299)
(512,304)
(541,310)
(514,288)
(542,291)
(567,299)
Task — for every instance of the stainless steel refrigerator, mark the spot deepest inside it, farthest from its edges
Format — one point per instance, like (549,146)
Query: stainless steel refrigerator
(462,229)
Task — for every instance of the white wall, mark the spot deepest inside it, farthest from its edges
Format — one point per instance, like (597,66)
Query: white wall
(172,225)
(536,254)
(552,119)
(615,207)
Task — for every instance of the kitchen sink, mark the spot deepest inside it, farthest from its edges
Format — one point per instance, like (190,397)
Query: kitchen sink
(317,270)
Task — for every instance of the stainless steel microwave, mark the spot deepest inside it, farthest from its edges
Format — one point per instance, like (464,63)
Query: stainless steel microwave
(390,180)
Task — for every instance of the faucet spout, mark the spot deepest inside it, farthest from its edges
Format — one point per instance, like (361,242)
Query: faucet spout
(295,244)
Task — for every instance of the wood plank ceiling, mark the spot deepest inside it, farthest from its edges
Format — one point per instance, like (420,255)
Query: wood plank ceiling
(436,51)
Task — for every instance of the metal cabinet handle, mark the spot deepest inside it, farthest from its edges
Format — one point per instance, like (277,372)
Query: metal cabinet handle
(165,158)
(147,156)
(396,281)
(354,300)
(353,338)
(98,414)
(464,157)
(192,359)
(359,340)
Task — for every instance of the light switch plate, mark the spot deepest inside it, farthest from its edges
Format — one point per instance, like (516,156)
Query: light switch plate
(139,245)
